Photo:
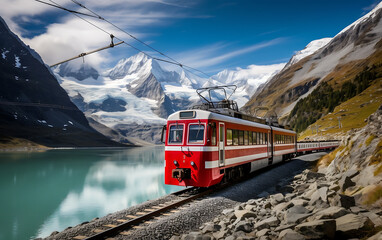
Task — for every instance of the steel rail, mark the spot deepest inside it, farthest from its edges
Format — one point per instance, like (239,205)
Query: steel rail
(123,226)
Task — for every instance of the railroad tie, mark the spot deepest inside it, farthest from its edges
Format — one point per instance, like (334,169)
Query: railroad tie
(156,207)
(137,227)
(131,216)
(121,220)
(97,230)
(141,213)
(110,225)
(125,233)
(150,210)
(79,237)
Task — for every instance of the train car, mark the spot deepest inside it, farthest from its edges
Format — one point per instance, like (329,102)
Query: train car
(215,141)
(314,146)
(202,147)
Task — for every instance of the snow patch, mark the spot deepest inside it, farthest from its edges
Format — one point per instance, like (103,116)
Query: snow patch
(17,62)
(4,54)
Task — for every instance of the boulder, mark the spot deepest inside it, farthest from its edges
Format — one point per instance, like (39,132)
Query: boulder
(281,207)
(357,209)
(319,229)
(299,201)
(345,182)
(267,223)
(244,226)
(289,234)
(244,214)
(322,192)
(296,214)
(331,213)
(210,227)
(277,198)
(312,175)
(262,232)
(352,225)
(377,220)
(282,227)
(346,201)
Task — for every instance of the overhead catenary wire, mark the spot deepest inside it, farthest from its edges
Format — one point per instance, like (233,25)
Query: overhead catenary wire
(66,9)
(77,14)
(137,39)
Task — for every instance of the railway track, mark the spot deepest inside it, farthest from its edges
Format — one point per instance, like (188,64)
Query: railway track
(129,223)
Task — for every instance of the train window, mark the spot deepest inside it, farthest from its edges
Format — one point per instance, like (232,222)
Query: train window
(221,135)
(245,137)
(266,138)
(250,137)
(241,137)
(213,134)
(229,137)
(176,134)
(235,135)
(196,133)
(254,134)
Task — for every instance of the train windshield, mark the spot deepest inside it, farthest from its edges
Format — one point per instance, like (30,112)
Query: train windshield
(196,133)
(176,134)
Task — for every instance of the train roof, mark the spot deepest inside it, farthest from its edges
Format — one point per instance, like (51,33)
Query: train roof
(202,114)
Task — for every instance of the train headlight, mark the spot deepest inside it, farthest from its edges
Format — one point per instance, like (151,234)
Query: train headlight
(175,162)
(192,163)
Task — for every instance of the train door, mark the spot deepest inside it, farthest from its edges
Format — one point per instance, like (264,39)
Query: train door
(270,147)
(221,145)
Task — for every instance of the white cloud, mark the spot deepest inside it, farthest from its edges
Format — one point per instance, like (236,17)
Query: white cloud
(212,55)
(71,36)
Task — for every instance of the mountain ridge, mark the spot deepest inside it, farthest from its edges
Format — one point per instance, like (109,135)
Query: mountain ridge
(336,62)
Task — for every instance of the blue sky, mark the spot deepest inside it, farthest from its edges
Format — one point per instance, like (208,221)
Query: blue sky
(210,35)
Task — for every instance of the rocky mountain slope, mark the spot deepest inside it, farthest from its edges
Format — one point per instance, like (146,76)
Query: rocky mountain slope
(131,101)
(340,60)
(33,106)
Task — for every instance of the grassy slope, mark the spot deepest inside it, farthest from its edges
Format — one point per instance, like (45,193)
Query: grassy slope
(19,144)
(353,113)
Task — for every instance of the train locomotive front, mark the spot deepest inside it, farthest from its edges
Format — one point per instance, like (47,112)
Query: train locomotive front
(191,149)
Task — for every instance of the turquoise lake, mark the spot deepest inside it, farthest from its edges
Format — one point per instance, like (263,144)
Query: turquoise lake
(42,192)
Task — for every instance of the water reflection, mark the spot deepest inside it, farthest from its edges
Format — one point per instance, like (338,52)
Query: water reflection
(53,190)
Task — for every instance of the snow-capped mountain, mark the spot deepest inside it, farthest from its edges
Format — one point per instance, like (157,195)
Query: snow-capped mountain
(247,80)
(311,48)
(137,93)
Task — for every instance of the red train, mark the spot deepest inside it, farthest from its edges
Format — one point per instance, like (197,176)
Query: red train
(214,141)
